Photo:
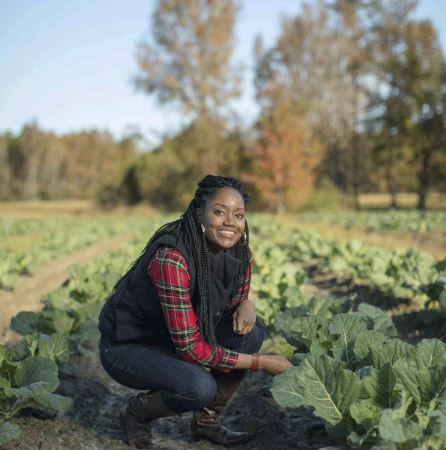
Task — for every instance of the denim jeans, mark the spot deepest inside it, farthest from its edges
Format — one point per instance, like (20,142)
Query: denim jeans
(184,386)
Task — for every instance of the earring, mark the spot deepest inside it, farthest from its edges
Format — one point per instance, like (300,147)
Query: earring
(203,229)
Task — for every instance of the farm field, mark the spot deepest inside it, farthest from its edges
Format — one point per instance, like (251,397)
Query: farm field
(309,287)
(326,122)
(391,229)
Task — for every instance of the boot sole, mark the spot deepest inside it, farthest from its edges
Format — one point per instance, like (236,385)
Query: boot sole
(198,436)
(147,445)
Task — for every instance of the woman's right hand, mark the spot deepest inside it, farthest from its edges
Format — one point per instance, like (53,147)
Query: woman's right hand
(274,364)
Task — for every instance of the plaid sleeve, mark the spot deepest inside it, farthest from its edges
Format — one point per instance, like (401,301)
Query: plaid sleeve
(169,274)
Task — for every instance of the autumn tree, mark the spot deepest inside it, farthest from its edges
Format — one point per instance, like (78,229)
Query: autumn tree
(13,185)
(425,83)
(407,107)
(5,169)
(284,159)
(39,164)
(176,159)
(188,64)
(316,63)
(32,142)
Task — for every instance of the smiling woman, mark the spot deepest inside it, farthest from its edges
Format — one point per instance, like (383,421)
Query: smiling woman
(223,218)
(179,324)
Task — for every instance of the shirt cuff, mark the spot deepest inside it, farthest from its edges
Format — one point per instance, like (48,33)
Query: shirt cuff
(228,360)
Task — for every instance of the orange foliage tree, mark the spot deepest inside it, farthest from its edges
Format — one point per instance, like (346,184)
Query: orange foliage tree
(284,159)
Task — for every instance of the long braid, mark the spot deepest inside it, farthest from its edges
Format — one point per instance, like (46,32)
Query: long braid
(244,253)
(200,255)
(207,187)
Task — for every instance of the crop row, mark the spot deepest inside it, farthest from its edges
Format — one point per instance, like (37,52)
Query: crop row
(15,226)
(411,221)
(62,237)
(67,321)
(401,273)
(366,385)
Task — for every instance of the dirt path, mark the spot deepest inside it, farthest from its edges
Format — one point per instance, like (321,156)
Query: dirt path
(26,297)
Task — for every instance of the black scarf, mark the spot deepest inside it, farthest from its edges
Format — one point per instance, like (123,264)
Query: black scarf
(224,267)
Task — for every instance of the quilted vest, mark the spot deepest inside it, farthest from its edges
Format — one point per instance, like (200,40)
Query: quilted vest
(133,311)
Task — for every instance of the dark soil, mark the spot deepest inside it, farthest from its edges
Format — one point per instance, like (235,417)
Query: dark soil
(93,421)
(412,322)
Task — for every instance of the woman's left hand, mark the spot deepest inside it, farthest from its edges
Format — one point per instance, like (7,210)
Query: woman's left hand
(244,317)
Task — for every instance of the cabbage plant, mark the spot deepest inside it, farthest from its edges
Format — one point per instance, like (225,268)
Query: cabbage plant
(29,377)
(365,384)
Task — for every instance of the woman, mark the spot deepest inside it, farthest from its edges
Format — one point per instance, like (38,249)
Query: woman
(179,323)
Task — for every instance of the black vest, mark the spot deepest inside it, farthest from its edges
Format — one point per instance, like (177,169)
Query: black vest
(133,312)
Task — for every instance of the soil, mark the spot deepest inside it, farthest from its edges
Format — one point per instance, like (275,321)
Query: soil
(412,322)
(26,297)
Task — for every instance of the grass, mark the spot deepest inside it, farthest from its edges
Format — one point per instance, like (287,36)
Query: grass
(42,208)
(435,200)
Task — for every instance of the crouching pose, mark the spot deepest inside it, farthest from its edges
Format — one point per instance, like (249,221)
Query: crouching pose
(179,325)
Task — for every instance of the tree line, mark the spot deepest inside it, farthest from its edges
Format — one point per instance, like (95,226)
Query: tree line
(38,164)
(352,99)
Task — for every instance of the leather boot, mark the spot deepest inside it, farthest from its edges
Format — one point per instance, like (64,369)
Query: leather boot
(206,423)
(138,414)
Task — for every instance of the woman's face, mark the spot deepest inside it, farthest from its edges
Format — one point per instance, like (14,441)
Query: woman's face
(223,217)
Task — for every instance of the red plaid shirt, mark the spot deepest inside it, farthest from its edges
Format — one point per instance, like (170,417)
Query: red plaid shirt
(169,274)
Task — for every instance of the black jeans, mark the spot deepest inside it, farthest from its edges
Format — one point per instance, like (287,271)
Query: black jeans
(184,386)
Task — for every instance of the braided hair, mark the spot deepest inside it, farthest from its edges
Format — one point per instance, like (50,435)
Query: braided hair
(207,188)
(190,227)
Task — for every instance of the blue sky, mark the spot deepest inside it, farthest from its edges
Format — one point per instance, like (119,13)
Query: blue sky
(69,65)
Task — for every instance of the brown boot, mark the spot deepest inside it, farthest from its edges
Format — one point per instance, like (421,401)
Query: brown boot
(206,423)
(138,414)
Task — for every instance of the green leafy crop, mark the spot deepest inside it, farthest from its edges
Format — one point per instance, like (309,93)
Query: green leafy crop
(365,384)
(29,377)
